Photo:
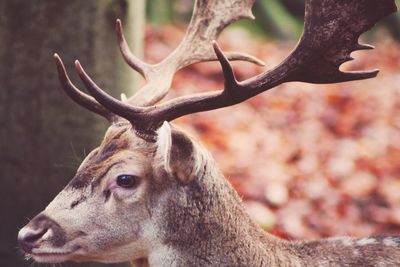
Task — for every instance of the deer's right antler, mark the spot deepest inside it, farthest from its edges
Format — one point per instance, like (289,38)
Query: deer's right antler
(331,32)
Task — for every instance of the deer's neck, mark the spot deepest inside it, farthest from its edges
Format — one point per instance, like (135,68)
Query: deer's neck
(204,223)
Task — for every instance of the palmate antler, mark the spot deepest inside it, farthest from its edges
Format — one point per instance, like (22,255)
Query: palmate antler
(331,32)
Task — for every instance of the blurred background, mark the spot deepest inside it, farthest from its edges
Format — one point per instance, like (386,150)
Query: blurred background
(309,161)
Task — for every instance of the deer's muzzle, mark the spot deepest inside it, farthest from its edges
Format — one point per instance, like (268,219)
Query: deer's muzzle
(40,229)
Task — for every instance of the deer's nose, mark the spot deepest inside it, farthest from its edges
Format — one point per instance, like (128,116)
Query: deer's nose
(28,238)
(41,229)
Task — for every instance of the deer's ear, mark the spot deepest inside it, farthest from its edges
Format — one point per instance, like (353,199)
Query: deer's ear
(176,154)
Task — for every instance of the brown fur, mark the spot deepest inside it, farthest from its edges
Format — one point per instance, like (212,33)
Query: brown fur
(172,220)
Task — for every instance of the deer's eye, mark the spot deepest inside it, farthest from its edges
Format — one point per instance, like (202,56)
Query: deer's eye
(127,181)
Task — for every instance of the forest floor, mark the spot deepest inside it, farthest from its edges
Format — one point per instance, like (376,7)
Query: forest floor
(308,160)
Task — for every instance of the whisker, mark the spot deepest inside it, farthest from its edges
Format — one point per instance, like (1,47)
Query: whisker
(76,157)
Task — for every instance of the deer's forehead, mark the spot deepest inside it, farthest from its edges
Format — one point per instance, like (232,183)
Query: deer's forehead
(91,173)
(116,137)
(122,137)
(119,146)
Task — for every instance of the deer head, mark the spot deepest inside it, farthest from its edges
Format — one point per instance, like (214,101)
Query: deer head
(122,202)
(89,218)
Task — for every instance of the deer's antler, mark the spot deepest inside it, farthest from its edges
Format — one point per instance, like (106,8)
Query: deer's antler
(331,33)
(208,20)
(78,96)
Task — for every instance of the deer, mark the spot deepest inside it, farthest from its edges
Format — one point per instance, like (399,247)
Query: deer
(152,195)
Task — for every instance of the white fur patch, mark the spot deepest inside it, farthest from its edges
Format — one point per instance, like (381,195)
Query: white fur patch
(347,242)
(366,241)
(164,143)
(388,241)
(159,254)
(163,256)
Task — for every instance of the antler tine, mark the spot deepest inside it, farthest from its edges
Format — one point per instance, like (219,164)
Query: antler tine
(144,119)
(115,106)
(143,68)
(136,64)
(202,34)
(79,97)
(195,47)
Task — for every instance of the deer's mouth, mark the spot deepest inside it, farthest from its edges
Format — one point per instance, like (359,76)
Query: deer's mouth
(48,256)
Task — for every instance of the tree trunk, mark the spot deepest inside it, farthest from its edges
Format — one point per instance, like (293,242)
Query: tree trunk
(44,135)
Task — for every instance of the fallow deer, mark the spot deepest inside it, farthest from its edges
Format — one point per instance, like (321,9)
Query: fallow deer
(152,195)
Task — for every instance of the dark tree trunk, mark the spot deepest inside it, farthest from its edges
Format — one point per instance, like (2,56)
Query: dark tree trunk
(44,135)
(295,7)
